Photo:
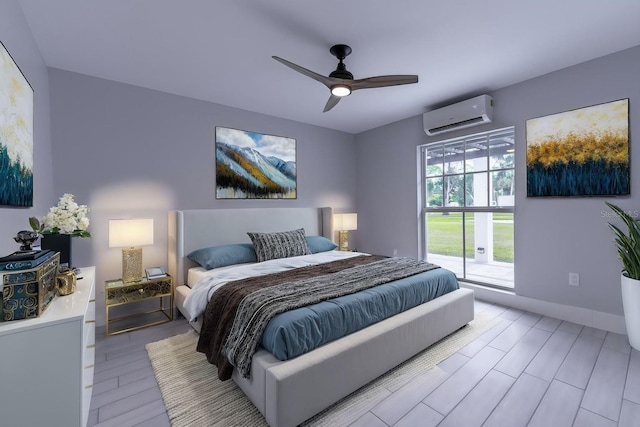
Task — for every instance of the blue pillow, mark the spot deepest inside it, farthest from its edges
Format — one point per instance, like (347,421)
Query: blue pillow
(221,256)
(320,244)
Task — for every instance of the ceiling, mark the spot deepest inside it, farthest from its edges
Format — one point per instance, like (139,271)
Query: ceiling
(220,51)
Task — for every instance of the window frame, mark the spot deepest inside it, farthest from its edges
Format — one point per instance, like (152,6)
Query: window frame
(423,209)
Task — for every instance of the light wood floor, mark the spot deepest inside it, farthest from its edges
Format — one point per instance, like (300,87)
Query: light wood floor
(528,370)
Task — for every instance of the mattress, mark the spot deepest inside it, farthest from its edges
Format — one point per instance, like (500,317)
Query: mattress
(195,274)
(298,331)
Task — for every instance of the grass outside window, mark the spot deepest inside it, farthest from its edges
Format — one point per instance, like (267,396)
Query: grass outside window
(444,235)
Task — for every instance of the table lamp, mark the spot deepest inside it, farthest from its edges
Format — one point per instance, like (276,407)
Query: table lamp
(130,234)
(344,223)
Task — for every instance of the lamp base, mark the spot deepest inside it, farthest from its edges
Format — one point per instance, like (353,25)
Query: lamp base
(131,265)
(343,240)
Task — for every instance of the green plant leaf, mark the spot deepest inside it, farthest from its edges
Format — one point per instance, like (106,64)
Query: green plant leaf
(627,243)
(34,223)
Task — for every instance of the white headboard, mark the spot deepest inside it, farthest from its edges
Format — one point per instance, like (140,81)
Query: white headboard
(200,228)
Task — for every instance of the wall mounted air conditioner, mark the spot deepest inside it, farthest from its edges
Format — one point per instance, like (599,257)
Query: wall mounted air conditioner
(472,112)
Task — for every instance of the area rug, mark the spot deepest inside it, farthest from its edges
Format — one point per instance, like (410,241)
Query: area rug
(195,397)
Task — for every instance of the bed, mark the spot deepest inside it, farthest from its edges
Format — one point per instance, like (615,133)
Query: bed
(289,392)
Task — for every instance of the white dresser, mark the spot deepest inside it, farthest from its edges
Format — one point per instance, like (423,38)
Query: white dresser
(46,364)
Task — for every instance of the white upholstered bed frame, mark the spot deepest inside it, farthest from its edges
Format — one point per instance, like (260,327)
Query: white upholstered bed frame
(289,392)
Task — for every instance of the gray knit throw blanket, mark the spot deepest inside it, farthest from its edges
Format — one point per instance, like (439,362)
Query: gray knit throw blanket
(258,308)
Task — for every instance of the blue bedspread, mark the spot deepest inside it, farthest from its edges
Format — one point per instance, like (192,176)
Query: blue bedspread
(298,331)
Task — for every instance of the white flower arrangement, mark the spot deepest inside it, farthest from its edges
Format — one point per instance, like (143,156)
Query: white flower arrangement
(67,217)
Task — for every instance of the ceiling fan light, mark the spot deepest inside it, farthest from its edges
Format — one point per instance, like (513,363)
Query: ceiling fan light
(340,90)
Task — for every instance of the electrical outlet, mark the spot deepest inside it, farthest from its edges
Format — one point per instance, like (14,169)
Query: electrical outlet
(574,279)
(395,252)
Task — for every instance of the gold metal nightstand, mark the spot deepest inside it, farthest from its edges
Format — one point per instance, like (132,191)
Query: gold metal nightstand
(119,293)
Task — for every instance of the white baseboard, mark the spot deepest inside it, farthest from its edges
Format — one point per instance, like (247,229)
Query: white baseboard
(582,316)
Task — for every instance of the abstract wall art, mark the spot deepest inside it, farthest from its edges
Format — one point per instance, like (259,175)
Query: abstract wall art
(16,134)
(583,152)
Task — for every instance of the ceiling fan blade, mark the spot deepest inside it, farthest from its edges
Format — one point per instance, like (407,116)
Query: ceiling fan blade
(332,102)
(327,81)
(382,81)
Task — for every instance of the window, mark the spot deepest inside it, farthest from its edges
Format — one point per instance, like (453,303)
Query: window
(468,198)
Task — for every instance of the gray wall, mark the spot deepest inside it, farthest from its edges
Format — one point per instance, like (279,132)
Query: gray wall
(17,39)
(553,236)
(127,151)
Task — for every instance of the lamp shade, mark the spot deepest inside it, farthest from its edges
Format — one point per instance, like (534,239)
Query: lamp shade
(347,221)
(130,232)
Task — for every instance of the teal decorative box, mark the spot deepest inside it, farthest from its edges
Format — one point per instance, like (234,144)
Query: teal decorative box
(27,293)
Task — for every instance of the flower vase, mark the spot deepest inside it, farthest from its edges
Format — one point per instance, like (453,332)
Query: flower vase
(58,243)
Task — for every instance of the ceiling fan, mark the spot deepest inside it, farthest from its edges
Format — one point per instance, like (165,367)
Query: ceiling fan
(341,82)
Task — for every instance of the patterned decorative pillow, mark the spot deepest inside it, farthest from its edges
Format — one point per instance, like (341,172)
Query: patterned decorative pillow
(282,244)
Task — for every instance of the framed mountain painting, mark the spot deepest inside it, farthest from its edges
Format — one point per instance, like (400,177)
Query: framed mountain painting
(583,152)
(251,165)
(16,134)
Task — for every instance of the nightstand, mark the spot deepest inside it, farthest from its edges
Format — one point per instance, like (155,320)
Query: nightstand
(119,293)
